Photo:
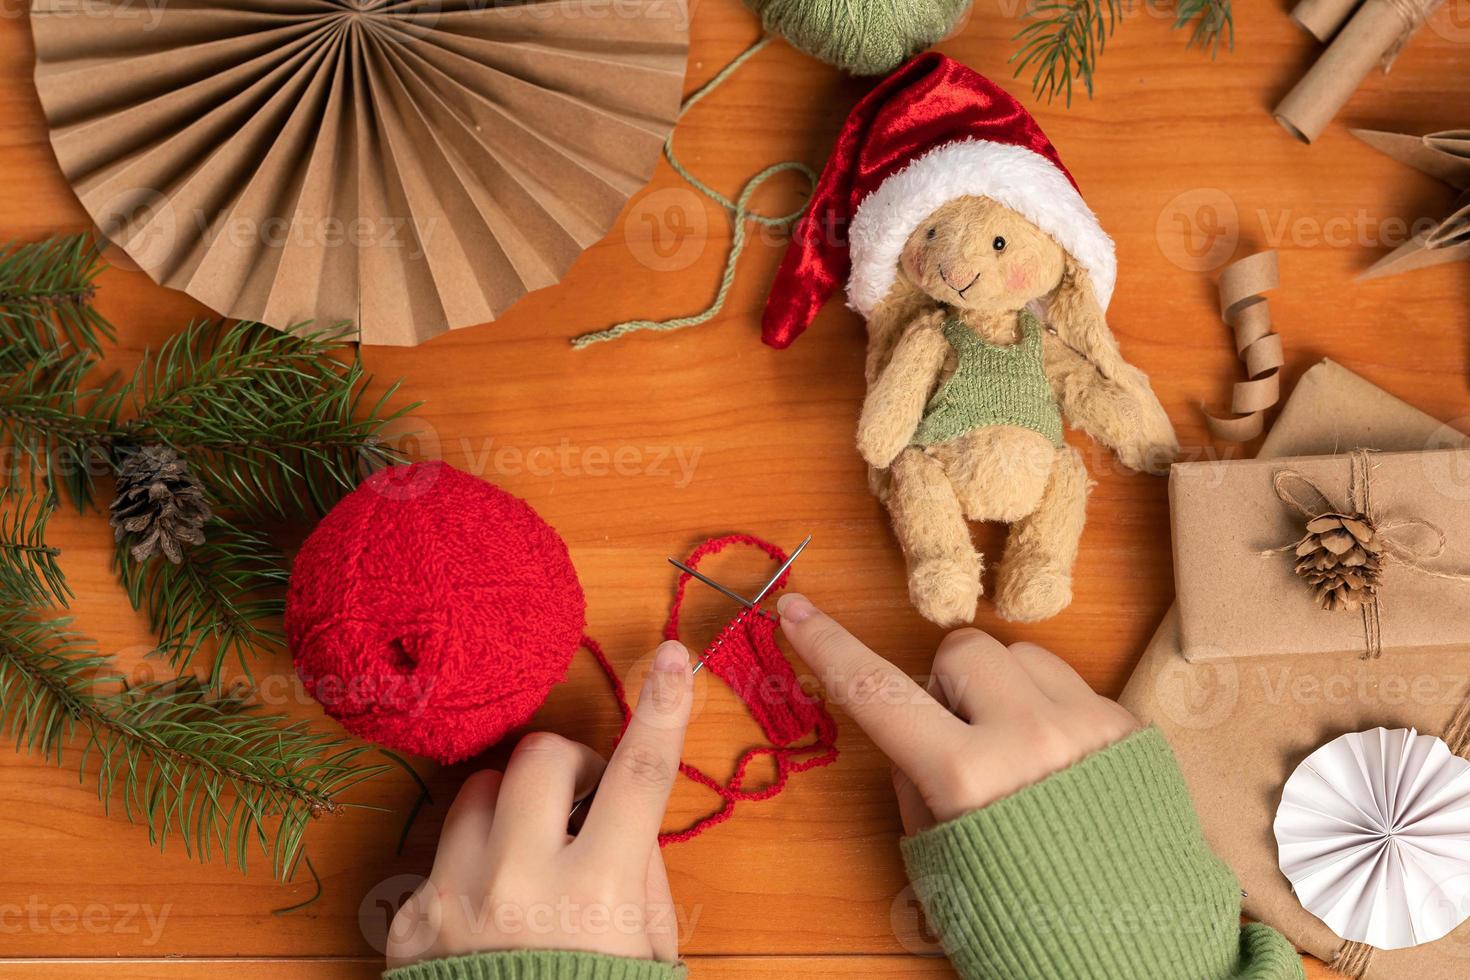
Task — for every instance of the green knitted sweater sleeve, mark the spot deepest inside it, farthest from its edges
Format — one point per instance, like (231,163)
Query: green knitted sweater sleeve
(1099,872)
(537,965)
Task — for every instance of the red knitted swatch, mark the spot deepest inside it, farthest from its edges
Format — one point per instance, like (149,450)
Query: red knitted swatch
(745,656)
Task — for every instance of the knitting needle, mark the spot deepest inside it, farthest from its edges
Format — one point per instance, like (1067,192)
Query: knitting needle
(781,571)
(747,603)
(711,583)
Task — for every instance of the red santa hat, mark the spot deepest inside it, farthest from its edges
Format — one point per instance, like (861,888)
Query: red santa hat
(931,132)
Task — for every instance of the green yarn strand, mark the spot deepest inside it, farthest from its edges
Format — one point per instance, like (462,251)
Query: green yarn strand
(731,206)
(865,37)
(739,209)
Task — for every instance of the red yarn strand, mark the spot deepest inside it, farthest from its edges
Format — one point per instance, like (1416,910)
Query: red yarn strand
(745,655)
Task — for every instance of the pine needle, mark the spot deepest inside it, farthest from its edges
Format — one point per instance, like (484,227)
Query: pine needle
(273,424)
(423,799)
(58,430)
(208,770)
(46,292)
(1214,23)
(315,897)
(227,596)
(1063,41)
(29,571)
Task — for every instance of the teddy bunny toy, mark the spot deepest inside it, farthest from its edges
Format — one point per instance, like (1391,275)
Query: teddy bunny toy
(983,277)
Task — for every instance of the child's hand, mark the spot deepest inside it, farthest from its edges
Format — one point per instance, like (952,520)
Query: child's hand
(1016,714)
(507,876)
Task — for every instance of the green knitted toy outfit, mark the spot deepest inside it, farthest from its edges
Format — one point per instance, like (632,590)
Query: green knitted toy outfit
(993,385)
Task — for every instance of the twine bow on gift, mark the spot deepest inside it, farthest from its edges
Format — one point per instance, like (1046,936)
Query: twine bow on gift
(1344,550)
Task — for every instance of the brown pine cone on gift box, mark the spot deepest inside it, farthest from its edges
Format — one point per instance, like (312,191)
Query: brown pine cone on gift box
(1341,557)
(160,502)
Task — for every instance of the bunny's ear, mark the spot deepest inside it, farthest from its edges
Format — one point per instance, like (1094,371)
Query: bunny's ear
(1074,314)
(904,304)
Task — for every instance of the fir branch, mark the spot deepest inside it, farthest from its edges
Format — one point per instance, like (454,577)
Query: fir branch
(1214,22)
(271,422)
(46,292)
(226,597)
(1062,43)
(207,769)
(55,431)
(29,572)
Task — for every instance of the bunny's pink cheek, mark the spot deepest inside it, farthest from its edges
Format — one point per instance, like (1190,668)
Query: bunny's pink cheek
(1018,279)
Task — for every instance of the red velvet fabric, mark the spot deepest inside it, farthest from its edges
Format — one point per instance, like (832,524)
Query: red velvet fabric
(931,101)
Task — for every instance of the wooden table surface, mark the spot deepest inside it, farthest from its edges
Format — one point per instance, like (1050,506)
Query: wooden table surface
(642,448)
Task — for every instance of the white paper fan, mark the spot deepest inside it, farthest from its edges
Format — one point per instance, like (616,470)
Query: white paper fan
(408,165)
(1374,833)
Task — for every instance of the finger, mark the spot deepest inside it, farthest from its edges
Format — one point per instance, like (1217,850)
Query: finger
(904,722)
(912,809)
(663,920)
(1052,675)
(629,807)
(467,826)
(536,796)
(978,675)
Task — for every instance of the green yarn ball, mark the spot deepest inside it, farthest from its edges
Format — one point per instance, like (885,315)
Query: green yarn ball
(865,37)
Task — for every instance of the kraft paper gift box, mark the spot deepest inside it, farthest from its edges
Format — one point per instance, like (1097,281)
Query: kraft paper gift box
(1241,726)
(1236,524)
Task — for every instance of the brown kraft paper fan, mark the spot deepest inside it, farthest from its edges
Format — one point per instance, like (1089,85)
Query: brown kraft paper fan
(411,167)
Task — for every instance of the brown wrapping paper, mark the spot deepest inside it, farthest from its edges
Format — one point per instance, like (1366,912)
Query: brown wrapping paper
(1245,310)
(1240,727)
(1446,157)
(1240,597)
(1374,35)
(409,168)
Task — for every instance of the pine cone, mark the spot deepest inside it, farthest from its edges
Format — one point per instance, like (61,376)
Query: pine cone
(1342,558)
(160,502)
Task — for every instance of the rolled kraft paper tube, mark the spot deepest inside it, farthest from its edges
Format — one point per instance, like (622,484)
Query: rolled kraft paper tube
(1375,30)
(1322,18)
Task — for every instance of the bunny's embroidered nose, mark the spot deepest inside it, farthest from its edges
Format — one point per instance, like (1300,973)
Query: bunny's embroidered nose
(951,281)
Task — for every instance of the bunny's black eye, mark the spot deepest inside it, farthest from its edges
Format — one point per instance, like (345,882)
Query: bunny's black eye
(932,233)
(999,244)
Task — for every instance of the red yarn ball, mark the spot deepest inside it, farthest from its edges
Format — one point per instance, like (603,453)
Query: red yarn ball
(433,612)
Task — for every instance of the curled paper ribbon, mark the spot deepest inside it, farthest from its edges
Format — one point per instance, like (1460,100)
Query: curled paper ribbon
(1374,35)
(1247,313)
(1354,545)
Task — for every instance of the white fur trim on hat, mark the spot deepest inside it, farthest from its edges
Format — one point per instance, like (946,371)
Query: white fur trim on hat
(1024,181)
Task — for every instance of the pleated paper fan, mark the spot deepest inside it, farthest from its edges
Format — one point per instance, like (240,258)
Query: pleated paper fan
(1373,832)
(408,166)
